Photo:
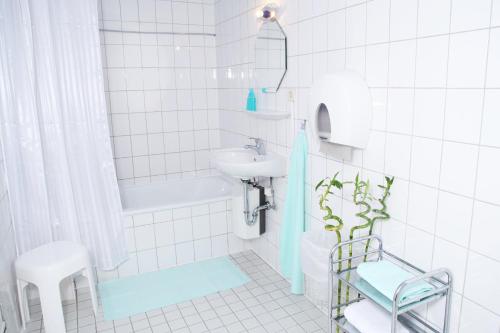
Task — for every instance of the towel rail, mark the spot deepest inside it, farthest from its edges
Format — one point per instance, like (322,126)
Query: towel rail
(404,312)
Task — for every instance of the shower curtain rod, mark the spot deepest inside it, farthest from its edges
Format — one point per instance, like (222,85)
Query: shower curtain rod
(160,33)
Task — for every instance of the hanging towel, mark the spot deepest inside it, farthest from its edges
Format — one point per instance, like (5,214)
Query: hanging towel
(386,277)
(369,318)
(293,224)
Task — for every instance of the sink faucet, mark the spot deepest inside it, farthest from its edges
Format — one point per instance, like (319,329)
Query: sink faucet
(258,146)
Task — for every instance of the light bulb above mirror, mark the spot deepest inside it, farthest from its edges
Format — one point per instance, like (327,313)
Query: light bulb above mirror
(268,12)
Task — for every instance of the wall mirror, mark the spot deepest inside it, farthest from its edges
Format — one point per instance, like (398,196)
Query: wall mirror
(270,56)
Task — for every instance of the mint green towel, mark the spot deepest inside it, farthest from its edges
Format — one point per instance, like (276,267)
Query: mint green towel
(294,216)
(372,293)
(385,277)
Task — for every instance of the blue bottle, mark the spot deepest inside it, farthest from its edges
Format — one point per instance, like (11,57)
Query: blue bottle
(251,101)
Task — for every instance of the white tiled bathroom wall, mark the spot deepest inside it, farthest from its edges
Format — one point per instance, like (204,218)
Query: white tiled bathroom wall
(8,298)
(161,88)
(172,237)
(433,68)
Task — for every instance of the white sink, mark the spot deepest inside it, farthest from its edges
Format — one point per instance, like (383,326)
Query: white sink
(246,163)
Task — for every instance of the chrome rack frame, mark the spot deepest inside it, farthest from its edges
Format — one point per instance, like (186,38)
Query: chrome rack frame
(401,311)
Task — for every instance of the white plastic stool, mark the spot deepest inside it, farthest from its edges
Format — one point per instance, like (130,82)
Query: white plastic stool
(46,266)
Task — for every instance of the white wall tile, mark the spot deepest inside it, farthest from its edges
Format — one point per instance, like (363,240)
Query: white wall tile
(147,261)
(183,230)
(162,216)
(377,65)
(142,219)
(164,234)
(397,155)
(433,17)
(320,35)
(491,117)
(454,218)
(400,111)
(129,10)
(130,239)
(336,30)
(418,248)
(476,317)
(185,253)
(129,267)
(463,115)
(122,146)
(147,10)
(377,21)
(403,19)
(110,10)
(485,228)
(467,17)
(118,100)
(432,59)
(219,246)
(218,224)
(166,256)
(481,281)
(144,237)
(429,112)
(202,249)
(181,213)
(422,206)
(124,168)
(201,226)
(426,161)
(138,123)
(139,145)
(467,64)
(356,25)
(402,63)
(487,182)
(121,125)
(492,79)
(458,168)
(453,257)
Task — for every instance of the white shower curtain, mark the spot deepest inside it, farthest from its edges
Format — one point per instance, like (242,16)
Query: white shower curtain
(54,128)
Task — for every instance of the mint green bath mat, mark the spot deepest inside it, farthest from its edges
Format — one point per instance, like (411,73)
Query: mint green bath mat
(136,294)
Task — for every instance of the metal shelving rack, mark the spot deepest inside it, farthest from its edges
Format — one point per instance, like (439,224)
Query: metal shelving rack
(404,312)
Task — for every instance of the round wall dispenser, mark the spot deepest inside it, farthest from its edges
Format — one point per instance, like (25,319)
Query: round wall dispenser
(341,109)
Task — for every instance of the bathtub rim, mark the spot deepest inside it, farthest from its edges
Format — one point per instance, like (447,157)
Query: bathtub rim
(131,211)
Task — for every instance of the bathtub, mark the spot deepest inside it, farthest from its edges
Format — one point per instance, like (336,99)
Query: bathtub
(174,193)
(175,223)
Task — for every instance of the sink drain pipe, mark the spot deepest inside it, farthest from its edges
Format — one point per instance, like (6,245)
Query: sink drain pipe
(251,218)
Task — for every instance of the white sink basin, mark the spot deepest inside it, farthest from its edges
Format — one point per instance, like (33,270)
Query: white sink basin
(246,163)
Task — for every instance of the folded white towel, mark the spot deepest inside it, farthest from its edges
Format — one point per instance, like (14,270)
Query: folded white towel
(367,317)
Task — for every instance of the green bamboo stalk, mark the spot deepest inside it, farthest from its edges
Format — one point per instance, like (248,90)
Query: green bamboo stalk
(333,182)
(361,198)
(381,212)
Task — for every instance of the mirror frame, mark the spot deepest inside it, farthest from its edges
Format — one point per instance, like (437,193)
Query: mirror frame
(275,90)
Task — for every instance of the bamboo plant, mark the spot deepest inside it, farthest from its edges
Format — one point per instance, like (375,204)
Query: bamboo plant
(328,185)
(363,199)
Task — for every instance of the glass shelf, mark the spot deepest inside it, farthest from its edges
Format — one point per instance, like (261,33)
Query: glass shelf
(269,115)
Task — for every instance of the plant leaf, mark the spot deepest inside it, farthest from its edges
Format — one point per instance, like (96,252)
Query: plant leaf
(319,184)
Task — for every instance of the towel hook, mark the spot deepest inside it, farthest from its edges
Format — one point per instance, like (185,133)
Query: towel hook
(303,123)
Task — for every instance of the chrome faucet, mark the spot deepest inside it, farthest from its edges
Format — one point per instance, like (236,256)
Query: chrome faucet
(258,146)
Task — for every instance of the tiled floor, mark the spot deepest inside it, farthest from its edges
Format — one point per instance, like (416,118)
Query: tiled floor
(262,305)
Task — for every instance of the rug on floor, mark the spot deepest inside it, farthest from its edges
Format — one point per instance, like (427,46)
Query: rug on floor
(137,294)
